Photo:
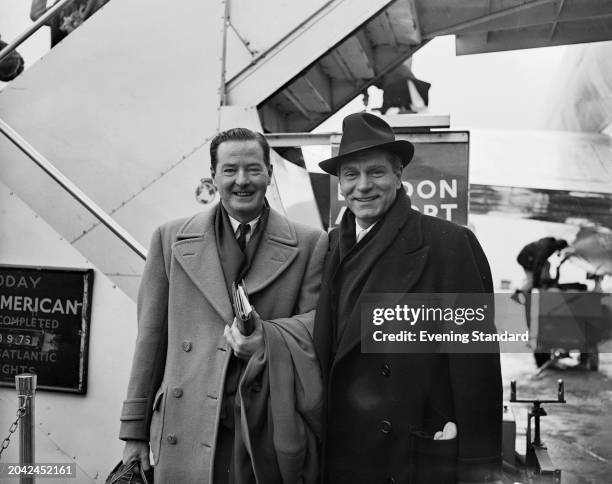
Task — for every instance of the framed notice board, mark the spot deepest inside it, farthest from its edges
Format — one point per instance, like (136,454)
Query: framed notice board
(45,315)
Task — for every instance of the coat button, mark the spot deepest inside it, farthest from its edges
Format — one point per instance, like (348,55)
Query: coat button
(256,386)
(385,370)
(385,427)
(177,392)
(171,439)
(187,346)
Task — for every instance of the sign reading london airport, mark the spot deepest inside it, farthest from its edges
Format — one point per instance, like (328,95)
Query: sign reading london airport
(44,326)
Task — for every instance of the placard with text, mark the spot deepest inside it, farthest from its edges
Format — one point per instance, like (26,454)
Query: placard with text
(45,315)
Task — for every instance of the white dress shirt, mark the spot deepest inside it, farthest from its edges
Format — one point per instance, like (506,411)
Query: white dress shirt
(360,232)
(235,224)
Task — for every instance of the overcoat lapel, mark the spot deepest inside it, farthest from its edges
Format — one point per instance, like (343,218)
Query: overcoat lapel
(323,338)
(196,252)
(401,239)
(277,250)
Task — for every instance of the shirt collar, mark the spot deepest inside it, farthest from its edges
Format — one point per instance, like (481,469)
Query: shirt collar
(253,223)
(359,230)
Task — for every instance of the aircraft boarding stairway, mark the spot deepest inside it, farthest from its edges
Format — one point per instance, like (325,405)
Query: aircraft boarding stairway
(126,105)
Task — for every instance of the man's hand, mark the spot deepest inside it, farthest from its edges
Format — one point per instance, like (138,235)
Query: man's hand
(245,346)
(137,450)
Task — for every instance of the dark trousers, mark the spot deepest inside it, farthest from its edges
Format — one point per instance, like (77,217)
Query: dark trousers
(223,455)
(232,464)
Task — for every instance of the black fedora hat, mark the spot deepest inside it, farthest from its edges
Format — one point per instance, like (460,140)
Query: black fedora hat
(364,131)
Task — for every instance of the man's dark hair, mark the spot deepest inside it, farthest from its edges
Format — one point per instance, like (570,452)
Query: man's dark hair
(238,134)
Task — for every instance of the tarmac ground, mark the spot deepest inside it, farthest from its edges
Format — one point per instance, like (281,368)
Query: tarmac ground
(578,434)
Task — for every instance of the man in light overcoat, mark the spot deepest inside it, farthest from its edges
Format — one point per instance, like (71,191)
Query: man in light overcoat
(212,404)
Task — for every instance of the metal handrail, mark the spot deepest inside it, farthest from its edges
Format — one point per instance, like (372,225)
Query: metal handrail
(34,27)
(45,164)
(72,189)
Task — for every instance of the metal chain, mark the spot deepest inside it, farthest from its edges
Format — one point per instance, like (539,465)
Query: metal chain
(21,411)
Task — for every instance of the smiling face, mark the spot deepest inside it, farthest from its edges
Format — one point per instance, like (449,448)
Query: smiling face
(242,178)
(369,183)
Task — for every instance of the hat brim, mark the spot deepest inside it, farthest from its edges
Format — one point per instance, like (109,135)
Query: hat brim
(402,148)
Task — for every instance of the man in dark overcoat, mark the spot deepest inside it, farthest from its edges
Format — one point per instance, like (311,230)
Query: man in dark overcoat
(399,418)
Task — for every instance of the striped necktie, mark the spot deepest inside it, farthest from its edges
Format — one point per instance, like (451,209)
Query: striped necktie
(243,230)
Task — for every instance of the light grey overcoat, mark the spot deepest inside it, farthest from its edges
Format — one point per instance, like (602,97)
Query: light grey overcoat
(181,355)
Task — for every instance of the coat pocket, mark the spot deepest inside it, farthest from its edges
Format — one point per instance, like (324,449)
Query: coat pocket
(157,422)
(432,461)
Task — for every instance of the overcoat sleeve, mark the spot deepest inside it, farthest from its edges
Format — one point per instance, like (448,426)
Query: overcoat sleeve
(151,345)
(304,311)
(292,401)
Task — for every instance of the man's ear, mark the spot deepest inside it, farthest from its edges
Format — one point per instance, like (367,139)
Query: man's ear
(270,170)
(399,180)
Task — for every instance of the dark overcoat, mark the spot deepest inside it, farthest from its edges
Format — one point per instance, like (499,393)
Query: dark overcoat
(378,403)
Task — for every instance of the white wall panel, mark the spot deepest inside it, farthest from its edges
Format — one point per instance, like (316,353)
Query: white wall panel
(129,94)
(72,428)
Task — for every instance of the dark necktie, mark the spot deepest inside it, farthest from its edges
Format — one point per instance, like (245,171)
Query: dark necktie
(243,230)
